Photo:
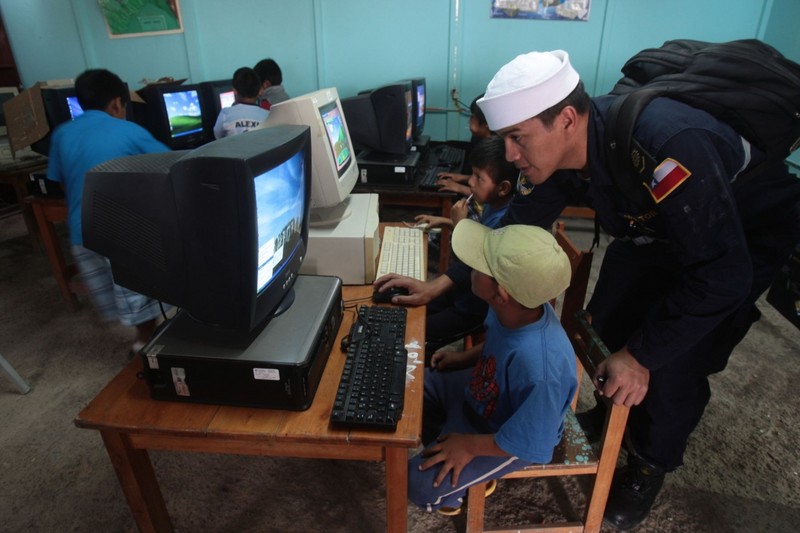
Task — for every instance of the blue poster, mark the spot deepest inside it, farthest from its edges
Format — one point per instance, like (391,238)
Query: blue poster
(541,9)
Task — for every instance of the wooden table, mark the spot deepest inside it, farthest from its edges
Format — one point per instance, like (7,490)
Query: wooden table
(48,212)
(131,423)
(15,172)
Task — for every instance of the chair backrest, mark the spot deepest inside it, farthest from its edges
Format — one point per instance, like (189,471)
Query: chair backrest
(581,263)
(574,455)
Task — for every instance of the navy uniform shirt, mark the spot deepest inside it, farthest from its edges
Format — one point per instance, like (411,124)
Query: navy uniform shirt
(696,216)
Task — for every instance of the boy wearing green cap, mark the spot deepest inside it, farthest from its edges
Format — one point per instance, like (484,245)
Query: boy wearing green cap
(499,406)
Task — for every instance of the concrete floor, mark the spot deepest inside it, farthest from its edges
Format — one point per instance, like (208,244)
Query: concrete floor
(742,472)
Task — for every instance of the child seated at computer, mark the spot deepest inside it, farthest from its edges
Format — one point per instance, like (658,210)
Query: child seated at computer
(272,91)
(453,314)
(245,113)
(455,181)
(498,406)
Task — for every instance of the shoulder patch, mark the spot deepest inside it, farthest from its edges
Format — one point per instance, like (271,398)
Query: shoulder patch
(524,187)
(667,176)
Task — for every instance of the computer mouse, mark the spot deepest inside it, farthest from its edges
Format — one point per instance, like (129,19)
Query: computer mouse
(386,296)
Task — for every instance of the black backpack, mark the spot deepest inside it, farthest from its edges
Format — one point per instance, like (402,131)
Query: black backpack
(747,84)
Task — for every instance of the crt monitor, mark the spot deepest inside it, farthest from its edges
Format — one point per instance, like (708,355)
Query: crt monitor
(175,115)
(220,231)
(60,105)
(216,95)
(417,107)
(380,119)
(334,170)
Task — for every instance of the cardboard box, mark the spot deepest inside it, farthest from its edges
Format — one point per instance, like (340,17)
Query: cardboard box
(26,120)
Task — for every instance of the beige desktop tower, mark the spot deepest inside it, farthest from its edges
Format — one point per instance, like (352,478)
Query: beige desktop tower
(348,249)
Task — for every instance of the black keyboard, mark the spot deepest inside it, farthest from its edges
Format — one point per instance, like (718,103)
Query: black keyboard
(429,176)
(451,156)
(373,381)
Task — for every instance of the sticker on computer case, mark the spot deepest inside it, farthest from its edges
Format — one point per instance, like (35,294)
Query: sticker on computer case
(399,170)
(179,381)
(152,356)
(267,374)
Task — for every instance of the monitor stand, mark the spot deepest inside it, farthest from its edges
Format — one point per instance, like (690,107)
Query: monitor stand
(321,217)
(279,369)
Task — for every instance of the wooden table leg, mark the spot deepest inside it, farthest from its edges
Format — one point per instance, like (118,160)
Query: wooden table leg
(396,489)
(138,480)
(53,249)
(444,240)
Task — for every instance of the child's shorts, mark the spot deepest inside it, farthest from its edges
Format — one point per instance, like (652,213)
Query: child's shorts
(111,301)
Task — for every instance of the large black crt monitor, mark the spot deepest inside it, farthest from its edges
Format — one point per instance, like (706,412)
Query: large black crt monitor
(381,119)
(215,96)
(174,114)
(60,105)
(220,231)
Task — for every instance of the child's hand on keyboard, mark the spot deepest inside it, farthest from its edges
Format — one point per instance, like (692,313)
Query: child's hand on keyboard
(447,184)
(452,176)
(433,221)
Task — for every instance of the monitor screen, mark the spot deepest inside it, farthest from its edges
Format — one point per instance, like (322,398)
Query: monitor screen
(337,137)
(410,119)
(280,206)
(184,113)
(418,86)
(334,168)
(226,99)
(220,231)
(175,114)
(74,107)
(381,119)
(418,95)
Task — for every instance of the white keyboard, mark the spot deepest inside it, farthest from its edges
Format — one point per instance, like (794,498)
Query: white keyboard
(403,252)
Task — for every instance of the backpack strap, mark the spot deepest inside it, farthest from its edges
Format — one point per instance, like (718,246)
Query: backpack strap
(619,141)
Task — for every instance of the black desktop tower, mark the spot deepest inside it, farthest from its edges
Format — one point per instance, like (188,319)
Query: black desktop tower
(279,369)
(387,170)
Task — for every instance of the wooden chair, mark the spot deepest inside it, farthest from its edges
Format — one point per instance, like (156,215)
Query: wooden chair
(574,455)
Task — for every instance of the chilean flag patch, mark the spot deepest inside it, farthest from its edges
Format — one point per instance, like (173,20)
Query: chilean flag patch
(666,178)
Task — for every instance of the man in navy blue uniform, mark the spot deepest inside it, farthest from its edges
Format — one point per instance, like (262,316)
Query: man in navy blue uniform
(678,284)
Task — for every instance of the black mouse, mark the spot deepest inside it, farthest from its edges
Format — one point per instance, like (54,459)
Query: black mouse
(386,296)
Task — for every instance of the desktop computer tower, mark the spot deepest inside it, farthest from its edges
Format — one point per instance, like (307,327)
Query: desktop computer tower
(349,248)
(388,170)
(280,368)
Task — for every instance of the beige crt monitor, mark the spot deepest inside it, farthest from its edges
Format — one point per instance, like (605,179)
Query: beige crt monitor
(334,169)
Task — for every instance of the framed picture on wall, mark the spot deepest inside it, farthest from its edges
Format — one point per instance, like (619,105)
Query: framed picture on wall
(541,9)
(140,18)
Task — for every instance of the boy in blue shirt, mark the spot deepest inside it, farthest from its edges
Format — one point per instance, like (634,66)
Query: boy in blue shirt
(499,406)
(100,134)
(456,312)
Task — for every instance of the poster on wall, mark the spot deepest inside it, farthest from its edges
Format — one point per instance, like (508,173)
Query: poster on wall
(139,18)
(541,9)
